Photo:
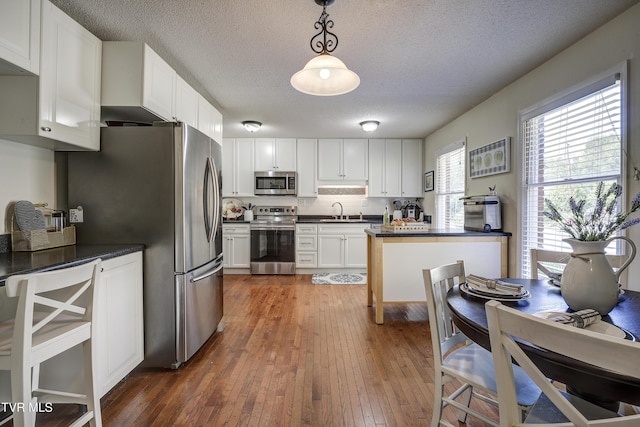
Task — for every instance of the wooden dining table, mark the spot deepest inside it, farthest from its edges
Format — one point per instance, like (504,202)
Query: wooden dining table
(599,386)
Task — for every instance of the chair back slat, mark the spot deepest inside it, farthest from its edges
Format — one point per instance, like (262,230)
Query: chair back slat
(507,326)
(444,334)
(540,256)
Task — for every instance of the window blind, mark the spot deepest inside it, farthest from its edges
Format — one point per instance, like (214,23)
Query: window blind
(568,150)
(449,185)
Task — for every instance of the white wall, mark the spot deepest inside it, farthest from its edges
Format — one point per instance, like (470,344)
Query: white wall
(26,173)
(610,45)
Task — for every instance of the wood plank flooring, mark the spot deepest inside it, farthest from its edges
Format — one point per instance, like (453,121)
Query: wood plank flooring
(290,353)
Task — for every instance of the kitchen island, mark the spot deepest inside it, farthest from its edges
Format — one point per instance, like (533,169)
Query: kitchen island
(395,261)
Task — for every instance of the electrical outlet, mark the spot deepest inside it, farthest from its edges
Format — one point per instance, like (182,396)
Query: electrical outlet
(76,215)
(364,203)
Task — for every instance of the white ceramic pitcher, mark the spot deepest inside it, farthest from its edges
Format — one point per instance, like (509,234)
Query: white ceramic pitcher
(588,281)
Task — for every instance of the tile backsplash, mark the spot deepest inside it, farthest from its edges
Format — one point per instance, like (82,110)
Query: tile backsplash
(352,204)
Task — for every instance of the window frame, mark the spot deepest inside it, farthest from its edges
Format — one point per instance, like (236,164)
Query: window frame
(460,144)
(578,91)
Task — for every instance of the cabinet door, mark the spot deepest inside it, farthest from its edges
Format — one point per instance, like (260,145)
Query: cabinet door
(393,167)
(240,251)
(355,159)
(244,165)
(330,251)
(330,160)
(120,344)
(286,154)
(265,154)
(187,100)
(70,73)
(376,168)
(412,168)
(228,170)
(206,118)
(306,165)
(158,94)
(20,35)
(355,251)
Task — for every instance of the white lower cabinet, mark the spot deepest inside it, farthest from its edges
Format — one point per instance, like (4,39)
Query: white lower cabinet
(120,319)
(306,245)
(236,245)
(342,246)
(120,336)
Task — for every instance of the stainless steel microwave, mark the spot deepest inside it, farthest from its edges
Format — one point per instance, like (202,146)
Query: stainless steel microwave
(275,183)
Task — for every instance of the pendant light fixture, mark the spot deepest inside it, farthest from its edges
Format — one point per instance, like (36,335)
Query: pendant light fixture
(325,75)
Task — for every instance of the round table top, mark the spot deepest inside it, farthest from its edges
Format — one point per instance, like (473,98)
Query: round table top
(470,317)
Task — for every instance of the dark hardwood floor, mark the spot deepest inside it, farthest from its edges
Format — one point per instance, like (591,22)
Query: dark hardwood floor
(290,353)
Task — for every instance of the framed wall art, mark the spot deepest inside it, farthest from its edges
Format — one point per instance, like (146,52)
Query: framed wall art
(428,181)
(490,159)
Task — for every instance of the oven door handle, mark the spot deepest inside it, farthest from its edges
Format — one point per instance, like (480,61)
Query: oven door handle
(272,227)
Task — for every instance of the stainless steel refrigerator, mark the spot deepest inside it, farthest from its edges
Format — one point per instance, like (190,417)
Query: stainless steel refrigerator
(159,185)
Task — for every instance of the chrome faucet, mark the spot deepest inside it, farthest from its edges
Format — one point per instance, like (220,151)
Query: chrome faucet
(341,209)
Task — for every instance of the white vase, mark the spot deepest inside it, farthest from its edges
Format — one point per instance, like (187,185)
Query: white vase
(588,281)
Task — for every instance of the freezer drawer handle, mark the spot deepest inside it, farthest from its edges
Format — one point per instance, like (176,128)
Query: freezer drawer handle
(207,274)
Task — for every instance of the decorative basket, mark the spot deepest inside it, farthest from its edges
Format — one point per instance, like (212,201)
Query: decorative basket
(411,228)
(35,240)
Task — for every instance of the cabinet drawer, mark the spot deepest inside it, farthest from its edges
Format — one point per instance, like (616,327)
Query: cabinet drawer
(306,243)
(329,229)
(229,229)
(306,229)
(306,259)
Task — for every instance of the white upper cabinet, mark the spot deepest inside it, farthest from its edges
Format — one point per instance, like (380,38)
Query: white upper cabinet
(307,167)
(137,84)
(20,36)
(412,168)
(59,110)
(385,167)
(343,159)
(277,154)
(209,120)
(237,167)
(187,103)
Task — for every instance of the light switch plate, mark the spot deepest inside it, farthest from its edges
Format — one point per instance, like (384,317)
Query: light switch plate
(76,215)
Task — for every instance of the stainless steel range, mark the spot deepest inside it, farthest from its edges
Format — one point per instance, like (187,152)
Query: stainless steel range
(273,244)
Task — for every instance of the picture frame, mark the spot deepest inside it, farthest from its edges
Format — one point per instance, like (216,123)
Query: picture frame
(490,159)
(428,181)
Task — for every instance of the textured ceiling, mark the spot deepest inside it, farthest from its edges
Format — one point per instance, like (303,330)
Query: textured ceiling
(421,62)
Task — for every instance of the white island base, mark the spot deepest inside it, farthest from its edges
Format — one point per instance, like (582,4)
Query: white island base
(395,263)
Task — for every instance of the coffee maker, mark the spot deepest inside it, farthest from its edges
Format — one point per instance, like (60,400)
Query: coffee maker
(411,210)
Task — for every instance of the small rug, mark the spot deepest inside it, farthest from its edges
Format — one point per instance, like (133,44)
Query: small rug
(339,279)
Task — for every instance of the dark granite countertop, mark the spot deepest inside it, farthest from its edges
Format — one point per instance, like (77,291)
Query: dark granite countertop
(50,259)
(436,232)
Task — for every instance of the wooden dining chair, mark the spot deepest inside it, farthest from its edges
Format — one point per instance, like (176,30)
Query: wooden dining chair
(618,355)
(542,258)
(54,313)
(455,357)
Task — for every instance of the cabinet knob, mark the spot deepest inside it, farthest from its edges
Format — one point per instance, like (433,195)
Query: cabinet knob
(45,129)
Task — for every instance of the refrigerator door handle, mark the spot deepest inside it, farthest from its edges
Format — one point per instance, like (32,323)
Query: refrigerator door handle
(207,274)
(209,217)
(217,203)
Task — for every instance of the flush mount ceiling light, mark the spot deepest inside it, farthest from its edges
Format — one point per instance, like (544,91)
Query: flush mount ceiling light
(252,125)
(369,125)
(325,75)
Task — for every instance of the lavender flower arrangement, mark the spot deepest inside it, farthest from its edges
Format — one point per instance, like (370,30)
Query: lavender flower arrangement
(602,222)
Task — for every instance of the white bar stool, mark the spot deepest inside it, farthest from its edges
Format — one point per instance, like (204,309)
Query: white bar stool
(55,313)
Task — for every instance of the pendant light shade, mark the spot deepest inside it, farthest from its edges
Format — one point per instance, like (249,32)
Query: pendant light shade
(325,75)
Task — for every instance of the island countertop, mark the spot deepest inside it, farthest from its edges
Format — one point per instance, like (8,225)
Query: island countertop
(66,256)
(436,232)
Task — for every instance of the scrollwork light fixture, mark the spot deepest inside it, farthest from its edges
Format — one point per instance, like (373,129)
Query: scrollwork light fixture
(325,75)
